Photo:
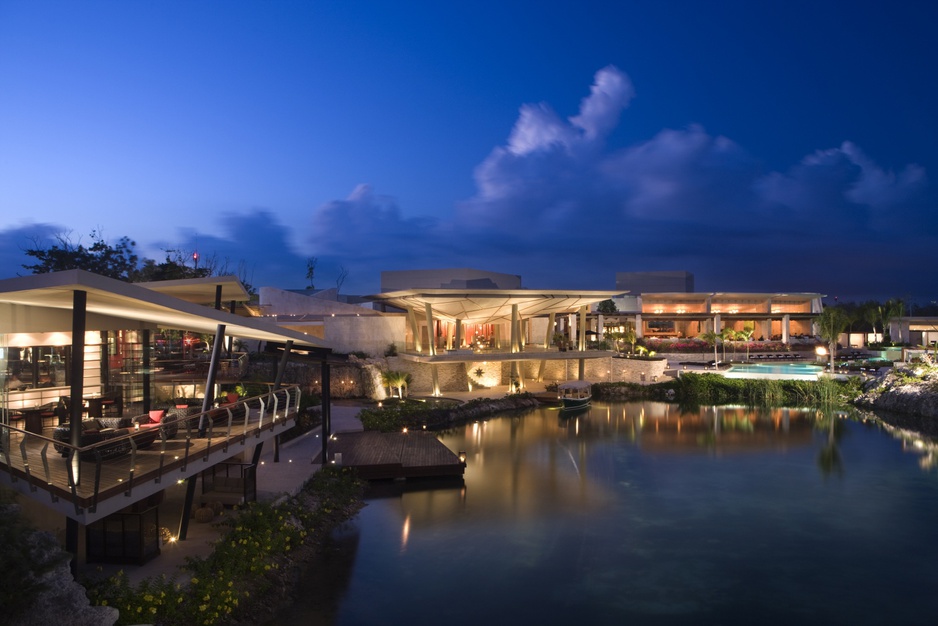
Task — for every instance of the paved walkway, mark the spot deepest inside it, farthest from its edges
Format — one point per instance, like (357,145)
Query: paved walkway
(298,462)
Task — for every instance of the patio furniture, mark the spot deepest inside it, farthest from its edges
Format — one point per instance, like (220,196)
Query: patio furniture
(94,431)
(33,417)
(163,421)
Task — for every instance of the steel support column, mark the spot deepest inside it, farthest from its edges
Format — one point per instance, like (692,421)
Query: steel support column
(210,379)
(186,508)
(281,368)
(77,373)
(326,410)
(146,370)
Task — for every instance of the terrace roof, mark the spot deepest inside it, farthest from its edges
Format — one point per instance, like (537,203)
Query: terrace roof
(201,290)
(43,303)
(485,306)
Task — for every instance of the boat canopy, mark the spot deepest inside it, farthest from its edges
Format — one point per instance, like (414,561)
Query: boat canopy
(575,384)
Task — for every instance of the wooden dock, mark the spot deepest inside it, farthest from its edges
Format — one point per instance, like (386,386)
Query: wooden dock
(381,456)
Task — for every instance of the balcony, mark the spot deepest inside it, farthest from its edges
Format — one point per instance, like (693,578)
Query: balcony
(128,467)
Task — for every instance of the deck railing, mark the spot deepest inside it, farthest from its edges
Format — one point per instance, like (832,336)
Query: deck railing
(25,455)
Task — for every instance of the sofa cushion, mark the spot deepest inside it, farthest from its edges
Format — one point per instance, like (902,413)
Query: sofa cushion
(156,416)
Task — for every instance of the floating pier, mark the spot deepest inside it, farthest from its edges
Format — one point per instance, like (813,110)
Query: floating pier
(381,456)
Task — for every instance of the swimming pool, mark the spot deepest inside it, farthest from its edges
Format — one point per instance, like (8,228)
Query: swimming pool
(779,371)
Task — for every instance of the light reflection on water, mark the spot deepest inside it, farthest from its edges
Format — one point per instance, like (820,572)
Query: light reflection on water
(639,513)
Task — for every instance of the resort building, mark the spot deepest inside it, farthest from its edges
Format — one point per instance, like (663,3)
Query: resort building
(452,329)
(637,283)
(771,316)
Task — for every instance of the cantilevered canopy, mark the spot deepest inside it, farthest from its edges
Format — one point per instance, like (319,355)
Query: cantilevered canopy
(43,303)
(486,306)
(202,290)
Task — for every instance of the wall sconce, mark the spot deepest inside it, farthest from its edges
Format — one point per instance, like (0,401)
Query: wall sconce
(462,457)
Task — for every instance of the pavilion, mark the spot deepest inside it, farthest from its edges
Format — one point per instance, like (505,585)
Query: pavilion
(75,339)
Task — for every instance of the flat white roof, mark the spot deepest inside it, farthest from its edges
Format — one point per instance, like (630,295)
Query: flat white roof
(43,303)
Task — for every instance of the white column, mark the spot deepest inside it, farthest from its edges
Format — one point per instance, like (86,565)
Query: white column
(549,333)
(582,340)
(431,334)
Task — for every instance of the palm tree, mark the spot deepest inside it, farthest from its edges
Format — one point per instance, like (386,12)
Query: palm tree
(711,338)
(870,313)
(745,335)
(628,336)
(728,334)
(832,322)
(888,312)
(395,379)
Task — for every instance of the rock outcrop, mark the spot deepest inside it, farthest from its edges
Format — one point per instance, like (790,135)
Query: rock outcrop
(61,600)
(910,390)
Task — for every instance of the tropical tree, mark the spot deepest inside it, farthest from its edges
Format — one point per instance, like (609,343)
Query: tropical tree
(888,312)
(711,338)
(832,322)
(628,336)
(869,311)
(172,268)
(395,379)
(114,261)
(745,335)
(728,334)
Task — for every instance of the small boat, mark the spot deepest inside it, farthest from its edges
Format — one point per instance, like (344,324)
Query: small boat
(575,394)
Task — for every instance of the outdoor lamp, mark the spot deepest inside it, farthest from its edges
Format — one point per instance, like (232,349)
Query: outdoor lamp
(462,456)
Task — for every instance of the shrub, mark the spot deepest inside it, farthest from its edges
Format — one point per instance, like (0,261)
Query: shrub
(245,563)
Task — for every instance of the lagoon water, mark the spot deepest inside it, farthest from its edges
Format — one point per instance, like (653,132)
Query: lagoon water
(640,514)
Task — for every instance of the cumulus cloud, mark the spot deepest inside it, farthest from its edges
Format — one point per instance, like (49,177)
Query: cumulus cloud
(556,206)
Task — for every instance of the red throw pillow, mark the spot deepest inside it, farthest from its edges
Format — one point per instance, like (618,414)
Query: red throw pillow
(182,406)
(156,416)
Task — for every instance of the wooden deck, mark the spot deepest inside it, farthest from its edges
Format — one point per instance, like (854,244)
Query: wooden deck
(379,456)
(38,471)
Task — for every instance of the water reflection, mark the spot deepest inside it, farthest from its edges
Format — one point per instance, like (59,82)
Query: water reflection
(646,513)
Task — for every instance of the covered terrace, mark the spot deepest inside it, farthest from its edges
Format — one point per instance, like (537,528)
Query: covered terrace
(128,462)
(466,325)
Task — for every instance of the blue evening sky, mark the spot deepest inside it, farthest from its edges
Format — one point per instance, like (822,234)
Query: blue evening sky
(763,146)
